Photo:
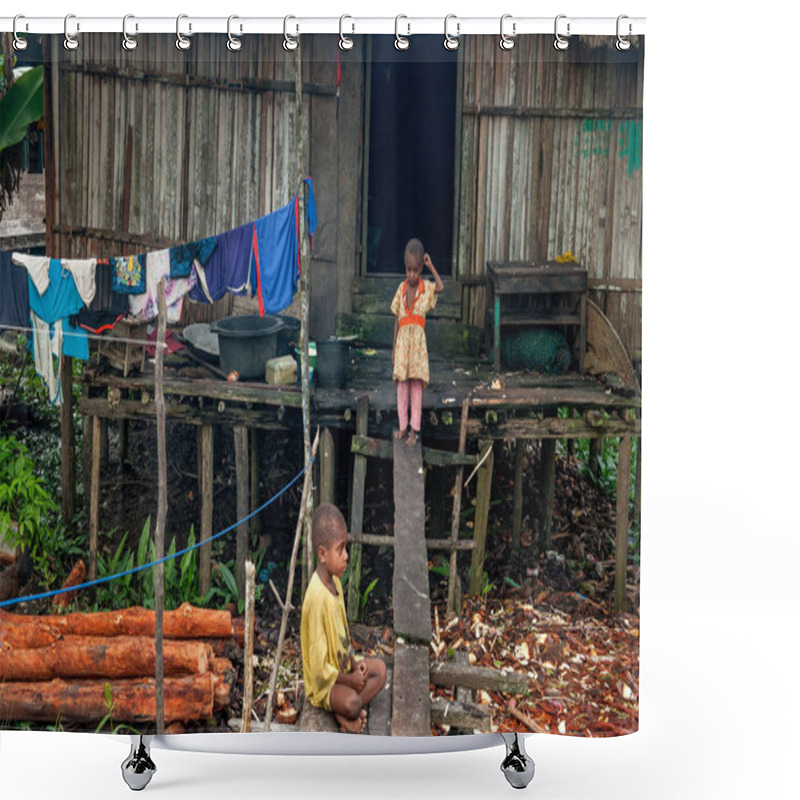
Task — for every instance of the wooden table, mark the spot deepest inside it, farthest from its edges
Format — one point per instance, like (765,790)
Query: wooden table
(528,280)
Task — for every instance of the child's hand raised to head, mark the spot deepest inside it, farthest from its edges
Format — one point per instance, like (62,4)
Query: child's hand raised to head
(426,260)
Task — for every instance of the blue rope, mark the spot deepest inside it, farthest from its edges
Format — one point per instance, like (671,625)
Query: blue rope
(108,578)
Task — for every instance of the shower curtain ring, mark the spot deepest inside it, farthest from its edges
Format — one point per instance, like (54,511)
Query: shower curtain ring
(128,42)
(70,42)
(345,42)
(233,43)
(623,43)
(19,43)
(401,42)
(560,42)
(182,43)
(451,42)
(290,42)
(506,40)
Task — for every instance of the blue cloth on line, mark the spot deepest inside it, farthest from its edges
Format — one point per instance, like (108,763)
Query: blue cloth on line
(182,256)
(227,268)
(14,308)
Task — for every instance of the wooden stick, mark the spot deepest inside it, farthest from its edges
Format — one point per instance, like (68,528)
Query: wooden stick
(94,498)
(525,719)
(273,678)
(623,497)
(249,634)
(519,475)
(462,444)
(483,496)
(161,514)
(205,439)
(241,448)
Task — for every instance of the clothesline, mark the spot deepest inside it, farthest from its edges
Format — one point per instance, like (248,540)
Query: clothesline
(93,336)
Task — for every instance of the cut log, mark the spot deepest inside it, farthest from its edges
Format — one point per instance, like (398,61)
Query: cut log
(452,674)
(186,622)
(460,714)
(100,657)
(224,677)
(185,699)
(77,576)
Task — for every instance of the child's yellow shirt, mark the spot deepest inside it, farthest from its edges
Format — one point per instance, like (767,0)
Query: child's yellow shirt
(323,637)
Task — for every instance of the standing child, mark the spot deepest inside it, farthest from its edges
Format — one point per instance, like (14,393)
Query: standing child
(412,301)
(334,679)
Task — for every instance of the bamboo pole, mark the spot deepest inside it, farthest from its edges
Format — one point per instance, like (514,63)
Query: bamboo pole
(249,635)
(287,604)
(161,514)
(462,444)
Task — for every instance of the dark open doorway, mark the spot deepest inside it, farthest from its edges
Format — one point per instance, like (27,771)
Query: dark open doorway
(412,138)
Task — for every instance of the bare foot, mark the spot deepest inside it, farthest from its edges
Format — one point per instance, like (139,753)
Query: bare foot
(412,438)
(399,434)
(352,725)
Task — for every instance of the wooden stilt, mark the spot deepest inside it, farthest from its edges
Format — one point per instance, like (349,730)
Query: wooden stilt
(595,448)
(255,458)
(104,449)
(205,471)
(94,498)
(548,491)
(249,635)
(436,501)
(67,442)
(357,514)
(327,468)
(637,486)
(623,498)
(123,442)
(87,426)
(457,491)
(519,477)
(240,442)
(483,496)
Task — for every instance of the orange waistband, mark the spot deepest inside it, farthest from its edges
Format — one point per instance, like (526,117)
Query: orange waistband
(412,319)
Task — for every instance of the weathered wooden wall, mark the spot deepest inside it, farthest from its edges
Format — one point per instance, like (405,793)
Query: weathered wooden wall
(551,161)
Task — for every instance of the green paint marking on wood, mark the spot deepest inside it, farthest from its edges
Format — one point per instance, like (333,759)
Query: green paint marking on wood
(594,137)
(630,143)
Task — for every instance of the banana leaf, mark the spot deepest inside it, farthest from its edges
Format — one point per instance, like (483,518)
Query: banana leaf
(22,104)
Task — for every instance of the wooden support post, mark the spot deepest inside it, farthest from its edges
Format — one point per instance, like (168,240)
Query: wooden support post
(242,501)
(436,501)
(357,513)
(483,497)
(548,492)
(457,491)
(205,471)
(161,514)
(87,424)
(637,486)
(519,477)
(595,448)
(249,636)
(123,442)
(94,498)
(623,498)
(255,458)
(67,442)
(327,468)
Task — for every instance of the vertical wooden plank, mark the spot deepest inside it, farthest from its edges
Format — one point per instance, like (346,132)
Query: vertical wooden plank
(94,498)
(462,446)
(255,459)
(637,486)
(357,513)
(327,468)
(205,438)
(548,492)
(519,476)
(483,495)
(67,442)
(623,497)
(240,446)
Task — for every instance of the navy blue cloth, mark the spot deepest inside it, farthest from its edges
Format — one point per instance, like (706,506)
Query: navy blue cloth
(183,256)
(228,267)
(14,307)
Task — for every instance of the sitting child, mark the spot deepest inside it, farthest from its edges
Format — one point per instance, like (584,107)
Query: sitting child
(334,679)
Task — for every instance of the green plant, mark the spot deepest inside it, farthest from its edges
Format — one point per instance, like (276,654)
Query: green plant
(362,605)
(110,704)
(27,510)
(22,104)
(120,592)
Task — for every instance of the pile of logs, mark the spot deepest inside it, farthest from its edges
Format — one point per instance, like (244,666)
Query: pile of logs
(57,667)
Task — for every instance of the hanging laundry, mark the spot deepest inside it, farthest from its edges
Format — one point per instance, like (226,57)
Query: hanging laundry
(145,305)
(38,268)
(108,306)
(53,333)
(14,307)
(277,255)
(83,272)
(183,256)
(129,274)
(227,268)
